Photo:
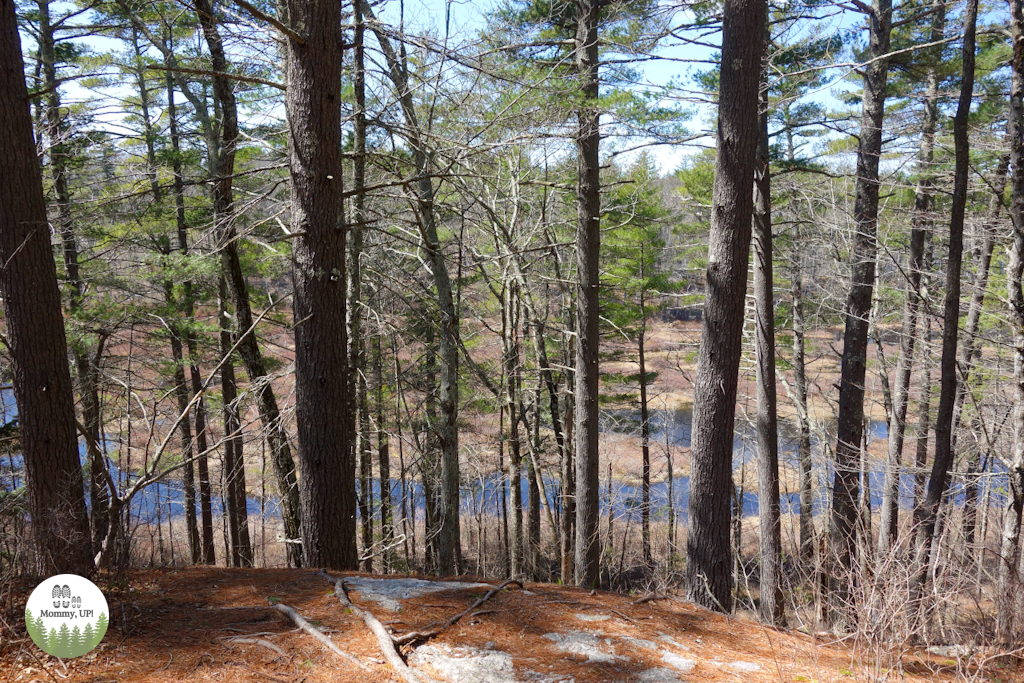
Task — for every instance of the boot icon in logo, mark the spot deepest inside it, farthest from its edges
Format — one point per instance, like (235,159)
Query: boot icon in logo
(65,594)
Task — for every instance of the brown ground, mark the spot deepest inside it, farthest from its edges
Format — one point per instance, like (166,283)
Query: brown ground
(171,626)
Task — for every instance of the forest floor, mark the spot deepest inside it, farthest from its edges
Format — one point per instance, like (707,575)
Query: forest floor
(176,625)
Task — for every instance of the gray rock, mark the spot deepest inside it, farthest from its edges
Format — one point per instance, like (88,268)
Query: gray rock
(748,667)
(388,592)
(584,644)
(640,642)
(665,638)
(592,617)
(470,665)
(658,675)
(678,663)
(466,665)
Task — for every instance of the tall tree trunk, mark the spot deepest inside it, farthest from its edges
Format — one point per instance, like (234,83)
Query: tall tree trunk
(313,103)
(922,223)
(806,522)
(188,474)
(971,352)
(449,541)
(926,515)
(708,577)
(850,416)
(357,346)
(35,331)
(1009,551)
(85,367)
(645,435)
(588,251)
(772,607)
(924,399)
(510,327)
(233,453)
(534,489)
(428,456)
(248,346)
(387,524)
(970,349)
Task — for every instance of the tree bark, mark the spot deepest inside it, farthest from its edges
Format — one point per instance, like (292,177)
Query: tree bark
(85,366)
(645,435)
(772,607)
(806,522)
(387,524)
(510,328)
(926,515)
(35,331)
(588,250)
(313,103)
(708,577)
(357,345)
(922,222)
(1009,551)
(845,487)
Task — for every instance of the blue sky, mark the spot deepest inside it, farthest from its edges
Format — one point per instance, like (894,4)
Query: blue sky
(467,19)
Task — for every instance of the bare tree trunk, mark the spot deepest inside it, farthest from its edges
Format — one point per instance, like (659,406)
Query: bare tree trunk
(535,484)
(708,577)
(1009,579)
(387,524)
(925,516)
(645,437)
(858,305)
(35,331)
(588,249)
(188,475)
(357,346)
(449,542)
(806,523)
(924,399)
(313,102)
(428,457)
(772,607)
(922,223)
(85,367)
(248,346)
(510,334)
(971,352)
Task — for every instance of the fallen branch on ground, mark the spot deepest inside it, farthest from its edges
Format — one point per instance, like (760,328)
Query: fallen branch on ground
(629,619)
(651,598)
(311,630)
(259,641)
(384,640)
(414,636)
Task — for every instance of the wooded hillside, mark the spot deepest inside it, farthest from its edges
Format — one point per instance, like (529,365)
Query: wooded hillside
(721,299)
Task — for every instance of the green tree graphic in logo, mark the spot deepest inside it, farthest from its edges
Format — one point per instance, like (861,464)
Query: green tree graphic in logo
(66,616)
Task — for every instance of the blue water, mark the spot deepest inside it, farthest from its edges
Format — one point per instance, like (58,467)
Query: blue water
(486,494)
(167,494)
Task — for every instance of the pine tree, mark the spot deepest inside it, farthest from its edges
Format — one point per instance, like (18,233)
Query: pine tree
(88,638)
(63,648)
(77,644)
(51,642)
(101,629)
(34,625)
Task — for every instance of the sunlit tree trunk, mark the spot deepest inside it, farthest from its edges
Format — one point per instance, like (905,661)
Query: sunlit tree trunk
(35,332)
(708,576)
